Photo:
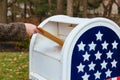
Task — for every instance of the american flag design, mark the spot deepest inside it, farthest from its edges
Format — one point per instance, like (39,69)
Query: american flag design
(96,55)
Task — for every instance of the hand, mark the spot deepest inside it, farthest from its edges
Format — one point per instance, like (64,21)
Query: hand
(31,29)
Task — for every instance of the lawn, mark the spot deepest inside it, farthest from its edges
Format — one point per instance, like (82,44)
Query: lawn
(14,65)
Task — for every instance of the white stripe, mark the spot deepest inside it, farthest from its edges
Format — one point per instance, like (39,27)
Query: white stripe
(115,78)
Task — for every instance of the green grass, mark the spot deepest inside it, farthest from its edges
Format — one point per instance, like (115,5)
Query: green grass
(14,65)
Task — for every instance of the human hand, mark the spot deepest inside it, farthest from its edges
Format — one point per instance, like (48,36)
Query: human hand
(31,29)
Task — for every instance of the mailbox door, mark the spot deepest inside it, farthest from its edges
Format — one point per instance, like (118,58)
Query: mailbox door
(93,53)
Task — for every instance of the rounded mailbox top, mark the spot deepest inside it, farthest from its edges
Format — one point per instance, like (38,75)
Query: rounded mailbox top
(92,51)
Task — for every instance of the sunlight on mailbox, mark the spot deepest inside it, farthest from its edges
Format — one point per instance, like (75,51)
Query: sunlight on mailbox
(90,51)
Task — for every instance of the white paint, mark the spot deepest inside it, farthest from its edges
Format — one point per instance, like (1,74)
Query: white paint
(48,60)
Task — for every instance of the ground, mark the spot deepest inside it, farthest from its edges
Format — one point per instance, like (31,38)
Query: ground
(14,65)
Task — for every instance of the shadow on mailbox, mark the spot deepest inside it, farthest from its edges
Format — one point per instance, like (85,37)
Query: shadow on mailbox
(91,50)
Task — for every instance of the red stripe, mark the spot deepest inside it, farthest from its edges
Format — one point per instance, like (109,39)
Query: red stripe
(115,78)
(118,78)
(109,79)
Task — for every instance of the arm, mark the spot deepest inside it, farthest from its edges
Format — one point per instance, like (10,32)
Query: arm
(12,31)
(16,31)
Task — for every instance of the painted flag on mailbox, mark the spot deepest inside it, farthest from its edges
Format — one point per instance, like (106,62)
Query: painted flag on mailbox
(96,55)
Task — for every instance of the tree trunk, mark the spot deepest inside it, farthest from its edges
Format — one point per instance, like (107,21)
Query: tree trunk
(108,8)
(118,4)
(105,10)
(3,11)
(25,9)
(85,8)
(76,8)
(13,13)
(60,7)
(49,7)
(70,7)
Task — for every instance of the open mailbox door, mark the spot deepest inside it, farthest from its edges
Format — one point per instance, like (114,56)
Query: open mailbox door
(90,51)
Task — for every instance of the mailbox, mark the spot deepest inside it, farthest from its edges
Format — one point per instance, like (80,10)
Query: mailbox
(91,50)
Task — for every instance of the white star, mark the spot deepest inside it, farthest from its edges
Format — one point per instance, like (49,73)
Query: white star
(97,75)
(92,46)
(80,67)
(114,63)
(103,64)
(108,73)
(86,76)
(109,54)
(114,44)
(86,56)
(99,36)
(91,66)
(105,45)
(81,46)
(98,55)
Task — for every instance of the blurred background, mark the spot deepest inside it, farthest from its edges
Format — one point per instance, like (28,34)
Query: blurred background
(38,10)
